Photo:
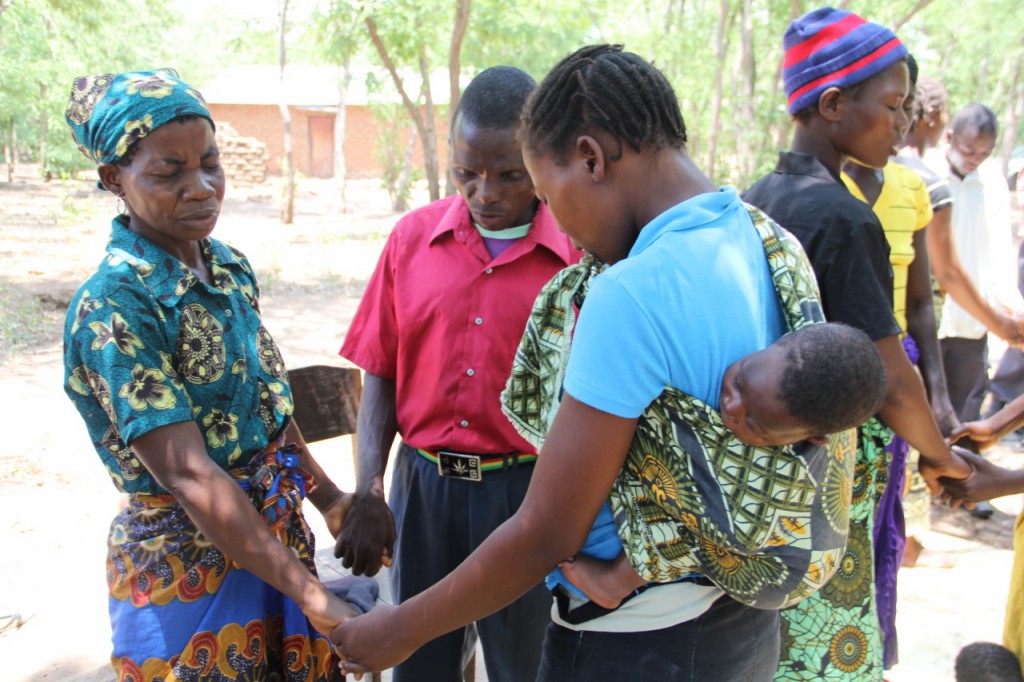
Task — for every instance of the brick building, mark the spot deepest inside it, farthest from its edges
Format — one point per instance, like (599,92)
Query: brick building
(247,97)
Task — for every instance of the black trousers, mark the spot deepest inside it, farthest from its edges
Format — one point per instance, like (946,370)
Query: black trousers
(729,642)
(440,521)
(966,365)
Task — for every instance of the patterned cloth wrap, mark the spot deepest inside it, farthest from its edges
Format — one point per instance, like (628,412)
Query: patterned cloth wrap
(767,525)
(158,559)
(109,112)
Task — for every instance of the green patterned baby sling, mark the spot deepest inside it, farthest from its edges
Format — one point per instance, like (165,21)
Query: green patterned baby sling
(767,525)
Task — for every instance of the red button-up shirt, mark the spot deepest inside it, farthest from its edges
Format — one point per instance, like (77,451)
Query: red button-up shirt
(443,320)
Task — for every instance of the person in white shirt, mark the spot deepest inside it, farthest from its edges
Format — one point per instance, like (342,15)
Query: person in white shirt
(981,231)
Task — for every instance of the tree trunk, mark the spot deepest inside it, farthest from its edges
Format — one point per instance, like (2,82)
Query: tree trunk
(401,200)
(340,127)
(430,141)
(410,106)
(781,131)
(9,153)
(44,131)
(462,8)
(288,208)
(921,4)
(716,97)
(745,131)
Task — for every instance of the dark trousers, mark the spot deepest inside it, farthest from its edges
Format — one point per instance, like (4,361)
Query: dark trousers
(440,521)
(729,642)
(966,365)
(1008,381)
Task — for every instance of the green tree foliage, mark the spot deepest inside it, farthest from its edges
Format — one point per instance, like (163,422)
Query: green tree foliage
(723,56)
(975,48)
(47,43)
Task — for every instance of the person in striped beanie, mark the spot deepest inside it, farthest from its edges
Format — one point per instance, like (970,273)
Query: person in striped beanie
(846,80)
(833,48)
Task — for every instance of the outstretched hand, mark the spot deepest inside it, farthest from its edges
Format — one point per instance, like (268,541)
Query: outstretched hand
(366,541)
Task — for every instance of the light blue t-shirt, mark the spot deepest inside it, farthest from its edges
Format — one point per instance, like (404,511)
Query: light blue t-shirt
(694,295)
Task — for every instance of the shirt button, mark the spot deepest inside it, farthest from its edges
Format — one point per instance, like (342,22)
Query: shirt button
(463,423)
(478,321)
(470,372)
(488,271)
(228,312)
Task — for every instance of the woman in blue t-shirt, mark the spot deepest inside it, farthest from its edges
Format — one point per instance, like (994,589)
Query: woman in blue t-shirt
(688,291)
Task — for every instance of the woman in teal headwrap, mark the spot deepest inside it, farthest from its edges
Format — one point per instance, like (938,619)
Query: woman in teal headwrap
(186,399)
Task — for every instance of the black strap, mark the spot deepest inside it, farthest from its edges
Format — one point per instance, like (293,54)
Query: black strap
(590,610)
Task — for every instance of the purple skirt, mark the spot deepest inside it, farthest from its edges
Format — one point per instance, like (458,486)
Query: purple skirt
(891,535)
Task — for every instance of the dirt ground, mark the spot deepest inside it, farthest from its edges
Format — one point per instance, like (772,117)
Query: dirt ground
(57,501)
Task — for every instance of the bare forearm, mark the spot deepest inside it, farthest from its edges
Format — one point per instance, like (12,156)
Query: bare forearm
(224,514)
(906,410)
(521,555)
(582,455)
(958,285)
(377,428)
(177,458)
(1008,419)
(922,329)
(951,276)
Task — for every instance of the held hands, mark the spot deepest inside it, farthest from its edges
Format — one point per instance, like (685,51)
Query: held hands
(371,642)
(335,512)
(955,468)
(367,538)
(988,481)
(326,611)
(1011,330)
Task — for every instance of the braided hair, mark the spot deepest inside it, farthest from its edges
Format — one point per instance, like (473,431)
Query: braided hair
(600,87)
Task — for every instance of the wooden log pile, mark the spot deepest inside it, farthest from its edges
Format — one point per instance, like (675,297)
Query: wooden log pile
(244,158)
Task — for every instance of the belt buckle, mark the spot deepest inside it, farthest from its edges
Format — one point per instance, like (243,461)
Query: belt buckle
(459,465)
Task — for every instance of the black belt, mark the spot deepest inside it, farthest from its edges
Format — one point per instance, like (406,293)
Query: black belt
(472,467)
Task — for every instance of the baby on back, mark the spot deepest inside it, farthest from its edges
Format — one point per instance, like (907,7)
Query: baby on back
(822,379)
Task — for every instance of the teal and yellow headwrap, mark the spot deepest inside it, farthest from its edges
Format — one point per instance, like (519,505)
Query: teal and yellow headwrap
(107,113)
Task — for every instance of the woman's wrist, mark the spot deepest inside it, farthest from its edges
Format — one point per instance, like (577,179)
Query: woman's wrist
(326,495)
(313,597)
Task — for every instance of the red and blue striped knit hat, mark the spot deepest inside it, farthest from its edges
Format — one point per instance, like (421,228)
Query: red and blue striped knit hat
(833,48)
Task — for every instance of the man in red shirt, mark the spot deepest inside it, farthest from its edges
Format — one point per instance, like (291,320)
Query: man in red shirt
(436,332)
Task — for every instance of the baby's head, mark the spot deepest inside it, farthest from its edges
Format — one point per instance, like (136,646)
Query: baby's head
(987,662)
(810,383)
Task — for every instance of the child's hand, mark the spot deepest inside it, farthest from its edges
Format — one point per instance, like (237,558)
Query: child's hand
(975,436)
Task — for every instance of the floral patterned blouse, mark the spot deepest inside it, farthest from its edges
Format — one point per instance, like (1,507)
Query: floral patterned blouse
(147,344)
